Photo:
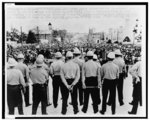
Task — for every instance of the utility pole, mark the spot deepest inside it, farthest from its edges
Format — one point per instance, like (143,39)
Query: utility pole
(38,34)
(51,32)
(21,34)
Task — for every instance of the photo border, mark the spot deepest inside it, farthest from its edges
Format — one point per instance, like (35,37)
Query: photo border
(70,3)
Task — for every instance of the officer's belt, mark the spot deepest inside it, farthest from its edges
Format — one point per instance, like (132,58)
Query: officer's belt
(56,75)
(41,85)
(13,85)
(92,77)
(109,79)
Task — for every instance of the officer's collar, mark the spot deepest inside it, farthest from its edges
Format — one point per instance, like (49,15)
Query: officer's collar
(110,62)
(90,60)
(69,60)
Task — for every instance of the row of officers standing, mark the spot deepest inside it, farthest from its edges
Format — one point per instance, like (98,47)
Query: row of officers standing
(74,76)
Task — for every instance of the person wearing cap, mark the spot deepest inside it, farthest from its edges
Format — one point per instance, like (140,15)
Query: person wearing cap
(25,71)
(39,77)
(121,64)
(55,73)
(70,74)
(109,75)
(15,82)
(95,59)
(91,81)
(135,71)
(45,66)
(80,62)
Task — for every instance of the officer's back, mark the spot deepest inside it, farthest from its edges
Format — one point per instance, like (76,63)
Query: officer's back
(69,69)
(77,58)
(38,75)
(21,66)
(109,70)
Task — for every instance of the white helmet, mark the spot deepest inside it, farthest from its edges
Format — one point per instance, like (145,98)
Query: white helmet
(111,55)
(12,62)
(90,53)
(95,56)
(58,55)
(39,62)
(40,56)
(117,52)
(69,54)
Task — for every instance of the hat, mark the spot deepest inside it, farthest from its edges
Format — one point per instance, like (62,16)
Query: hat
(58,55)
(111,55)
(76,51)
(95,56)
(39,62)
(40,56)
(90,53)
(12,62)
(69,54)
(117,52)
(21,56)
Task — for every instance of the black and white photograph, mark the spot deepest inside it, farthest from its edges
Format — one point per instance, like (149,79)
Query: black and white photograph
(74,60)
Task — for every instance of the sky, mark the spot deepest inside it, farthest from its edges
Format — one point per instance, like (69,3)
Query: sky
(73,18)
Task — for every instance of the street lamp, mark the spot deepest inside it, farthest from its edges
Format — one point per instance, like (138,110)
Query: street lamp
(51,30)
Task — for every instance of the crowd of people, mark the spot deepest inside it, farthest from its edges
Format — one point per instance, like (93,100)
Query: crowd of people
(79,72)
(130,52)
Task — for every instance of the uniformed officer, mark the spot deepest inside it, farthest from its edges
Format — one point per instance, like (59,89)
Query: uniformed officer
(95,59)
(39,77)
(135,71)
(109,74)
(48,71)
(25,71)
(91,80)
(15,82)
(70,74)
(80,62)
(55,73)
(121,64)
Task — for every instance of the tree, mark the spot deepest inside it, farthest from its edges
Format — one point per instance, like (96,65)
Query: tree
(109,41)
(55,33)
(31,37)
(23,37)
(13,35)
(62,34)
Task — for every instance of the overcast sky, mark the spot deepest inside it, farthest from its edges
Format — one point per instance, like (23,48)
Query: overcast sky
(73,18)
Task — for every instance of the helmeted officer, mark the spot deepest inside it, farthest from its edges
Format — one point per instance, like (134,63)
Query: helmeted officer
(45,66)
(121,64)
(25,71)
(80,62)
(70,74)
(15,82)
(39,78)
(135,71)
(55,73)
(109,75)
(95,59)
(91,80)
